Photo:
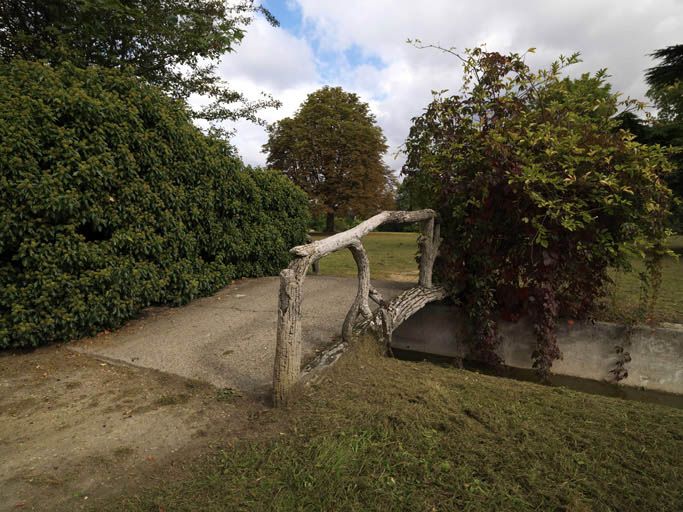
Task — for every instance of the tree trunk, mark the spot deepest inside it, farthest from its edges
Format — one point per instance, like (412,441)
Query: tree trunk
(330,223)
(360,304)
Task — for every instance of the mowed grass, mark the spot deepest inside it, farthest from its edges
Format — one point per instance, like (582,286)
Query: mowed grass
(624,297)
(392,257)
(379,434)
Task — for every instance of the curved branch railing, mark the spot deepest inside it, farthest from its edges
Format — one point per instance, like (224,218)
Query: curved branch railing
(384,320)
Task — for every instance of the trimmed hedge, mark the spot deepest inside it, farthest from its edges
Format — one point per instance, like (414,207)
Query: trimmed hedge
(112,200)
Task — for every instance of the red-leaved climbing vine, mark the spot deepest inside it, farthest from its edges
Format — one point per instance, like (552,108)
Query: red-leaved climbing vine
(539,193)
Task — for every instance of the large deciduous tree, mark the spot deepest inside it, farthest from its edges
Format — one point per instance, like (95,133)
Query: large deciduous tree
(173,44)
(333,148)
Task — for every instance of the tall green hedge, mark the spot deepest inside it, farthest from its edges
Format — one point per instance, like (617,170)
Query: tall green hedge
(112,200)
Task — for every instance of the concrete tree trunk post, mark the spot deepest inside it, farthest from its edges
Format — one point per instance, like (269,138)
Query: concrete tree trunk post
(360,304)
(429,242)
(386,319)
(288,347)
(288,351)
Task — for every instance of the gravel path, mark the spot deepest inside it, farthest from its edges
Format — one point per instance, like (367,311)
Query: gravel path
(228,339)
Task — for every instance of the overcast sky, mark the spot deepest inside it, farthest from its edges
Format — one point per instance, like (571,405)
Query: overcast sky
(361,46)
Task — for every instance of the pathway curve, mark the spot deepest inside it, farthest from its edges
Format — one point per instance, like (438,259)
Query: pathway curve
(228,339)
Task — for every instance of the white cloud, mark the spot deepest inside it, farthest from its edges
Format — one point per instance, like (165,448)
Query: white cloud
(249,137)
(273,61)
(617,34)
(270,57)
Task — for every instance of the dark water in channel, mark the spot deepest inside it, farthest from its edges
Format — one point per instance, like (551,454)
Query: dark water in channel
(592,387)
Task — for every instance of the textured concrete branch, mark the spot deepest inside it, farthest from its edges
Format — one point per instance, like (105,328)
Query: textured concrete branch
(429,242)
(386,319)
(288,351)
(341,240)
(360,304)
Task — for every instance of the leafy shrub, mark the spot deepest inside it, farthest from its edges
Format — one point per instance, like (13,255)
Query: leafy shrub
(538,192)
(111,200)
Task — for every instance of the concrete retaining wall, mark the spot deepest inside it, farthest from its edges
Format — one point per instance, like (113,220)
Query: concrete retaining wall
(588,349)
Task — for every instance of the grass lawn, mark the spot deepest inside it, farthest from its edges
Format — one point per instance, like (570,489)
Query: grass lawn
(392,257)
(376,433)
(669,306)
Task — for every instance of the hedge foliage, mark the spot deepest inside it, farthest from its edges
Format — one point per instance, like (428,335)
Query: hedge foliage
(112,200)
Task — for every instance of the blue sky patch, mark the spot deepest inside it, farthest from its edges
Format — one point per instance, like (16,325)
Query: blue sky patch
(331,64)
(288,13)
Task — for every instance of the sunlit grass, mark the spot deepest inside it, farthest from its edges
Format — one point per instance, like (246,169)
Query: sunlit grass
(391,255)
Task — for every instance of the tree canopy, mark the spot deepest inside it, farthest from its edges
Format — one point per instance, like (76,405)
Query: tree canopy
(666,82)
(173,44)
(538,191)
(666,128)
(332,148)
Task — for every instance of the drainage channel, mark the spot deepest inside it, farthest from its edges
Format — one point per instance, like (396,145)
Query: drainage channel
(589,386)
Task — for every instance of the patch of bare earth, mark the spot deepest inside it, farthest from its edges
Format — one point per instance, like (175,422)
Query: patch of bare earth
(404,277)
(75,430)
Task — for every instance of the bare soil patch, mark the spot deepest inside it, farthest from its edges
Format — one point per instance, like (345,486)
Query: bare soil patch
(75,430)
(109,415)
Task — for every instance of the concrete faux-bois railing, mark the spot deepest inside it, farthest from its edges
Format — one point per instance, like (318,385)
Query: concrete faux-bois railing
(384,320)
